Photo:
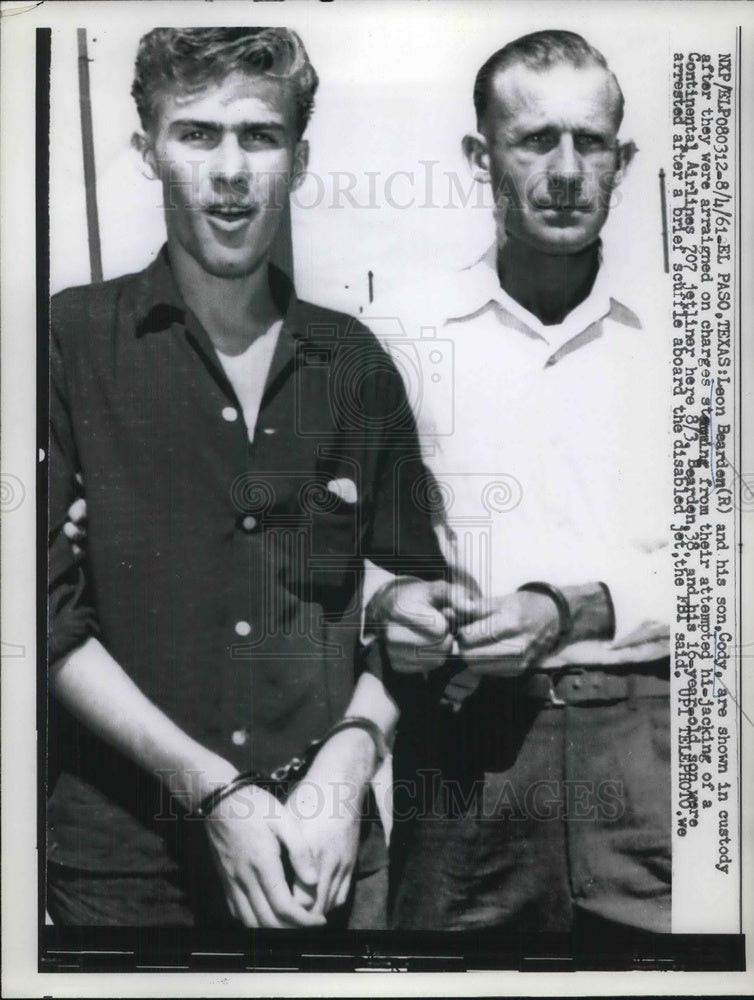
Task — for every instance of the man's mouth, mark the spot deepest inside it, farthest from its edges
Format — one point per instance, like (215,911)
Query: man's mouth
(230,215)
(556,206)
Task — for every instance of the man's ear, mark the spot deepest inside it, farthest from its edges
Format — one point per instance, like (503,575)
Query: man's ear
(144,146)
(624,156)
(475,150)
(300,163)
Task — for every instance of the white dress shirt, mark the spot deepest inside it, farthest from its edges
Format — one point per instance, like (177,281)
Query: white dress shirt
(550,444)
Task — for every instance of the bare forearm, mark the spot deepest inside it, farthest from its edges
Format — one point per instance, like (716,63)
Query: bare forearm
(350,755)
(99,693)
(371,700)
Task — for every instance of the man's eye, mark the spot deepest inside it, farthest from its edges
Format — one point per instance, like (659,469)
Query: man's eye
(539,142)
(197,136)
(586,143)
(256,138)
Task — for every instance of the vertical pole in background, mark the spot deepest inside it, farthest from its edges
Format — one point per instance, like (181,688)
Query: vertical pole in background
(87,144)
(370,275)
(664,213)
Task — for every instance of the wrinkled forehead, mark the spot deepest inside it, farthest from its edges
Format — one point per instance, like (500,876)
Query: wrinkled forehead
(242,96)
(562,96)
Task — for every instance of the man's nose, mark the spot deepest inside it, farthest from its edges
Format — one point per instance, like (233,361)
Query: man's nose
(565,169)
(229,164)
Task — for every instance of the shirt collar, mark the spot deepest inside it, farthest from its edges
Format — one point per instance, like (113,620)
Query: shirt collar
(478,286)
(159,301)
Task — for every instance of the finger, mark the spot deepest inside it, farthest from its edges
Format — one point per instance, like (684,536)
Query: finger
(439,593)
(465,603)
(421,604)
(273,900)
(328,875)
(588,651)
(72,532)
(643,652)
(287,829)
(494,661)
(436,652)
(413,636)
(460,686)
(420,618)
(77,510)
(304,895)
(342,893)
(499,626)
(340,885)
(286,910)
(483,607)
(646,632)
(455,601)
(239,905)
(409,658)
(264,913)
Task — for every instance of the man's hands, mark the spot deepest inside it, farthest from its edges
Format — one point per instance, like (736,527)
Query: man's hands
(415,619)
(510,634)
(247,833)
(328,804)
(501,636)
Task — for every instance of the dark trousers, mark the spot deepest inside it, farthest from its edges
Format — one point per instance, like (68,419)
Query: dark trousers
(517,815)
(192,896)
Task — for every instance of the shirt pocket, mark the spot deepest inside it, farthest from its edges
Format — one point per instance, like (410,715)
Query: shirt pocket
(324,563)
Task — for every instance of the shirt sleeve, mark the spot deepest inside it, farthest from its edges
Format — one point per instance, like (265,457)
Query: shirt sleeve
(401,537)
(401,540)
(71,614)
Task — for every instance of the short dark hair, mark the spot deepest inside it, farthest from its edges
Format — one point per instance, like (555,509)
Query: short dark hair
(187,60)
(540,51)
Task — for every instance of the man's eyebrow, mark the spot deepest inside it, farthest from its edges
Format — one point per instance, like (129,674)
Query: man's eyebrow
(192,123)
(239,127)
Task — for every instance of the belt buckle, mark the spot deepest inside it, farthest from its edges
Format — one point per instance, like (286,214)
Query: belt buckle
(552,700)
(546,695)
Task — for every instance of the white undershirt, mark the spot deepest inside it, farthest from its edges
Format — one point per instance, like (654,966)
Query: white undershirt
(247,373)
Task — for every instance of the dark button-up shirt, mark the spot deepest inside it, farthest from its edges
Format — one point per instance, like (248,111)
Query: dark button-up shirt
(224,576)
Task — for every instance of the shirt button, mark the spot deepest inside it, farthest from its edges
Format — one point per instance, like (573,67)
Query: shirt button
(239,737)
(249,523)
(243,628)
(230,413)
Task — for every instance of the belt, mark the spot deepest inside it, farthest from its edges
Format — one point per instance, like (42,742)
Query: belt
(585,685)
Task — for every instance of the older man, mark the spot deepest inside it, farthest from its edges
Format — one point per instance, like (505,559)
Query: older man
(532,769)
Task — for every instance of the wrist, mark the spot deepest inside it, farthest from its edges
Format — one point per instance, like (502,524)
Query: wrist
(199,778)
(564,629)
(350,756)
(592,612)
